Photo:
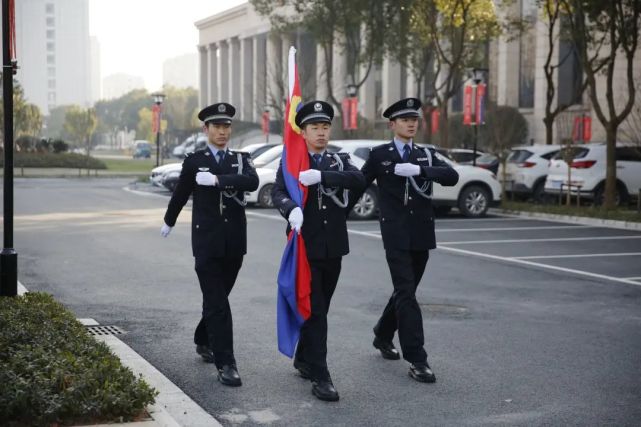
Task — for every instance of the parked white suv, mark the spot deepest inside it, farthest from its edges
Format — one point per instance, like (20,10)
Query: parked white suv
(526,169)
(588,171)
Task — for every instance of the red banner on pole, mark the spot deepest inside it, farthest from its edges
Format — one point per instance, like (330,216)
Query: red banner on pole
(587,129)
(265,122)
(479,108)
(467,105)
(434,119)
(577,131)
(353,113)
(155,122)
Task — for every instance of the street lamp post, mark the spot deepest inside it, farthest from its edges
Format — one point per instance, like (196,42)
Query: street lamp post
(158,99)
(9,256)
(477,75)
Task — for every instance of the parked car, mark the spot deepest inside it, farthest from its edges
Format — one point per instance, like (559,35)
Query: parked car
(589,168)
(489,162)
(189,145)
(526,169)
(157,173)
(142,149)
(463,156)
(256,150)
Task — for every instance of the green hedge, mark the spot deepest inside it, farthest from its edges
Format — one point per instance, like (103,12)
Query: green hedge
(55,160)
(53,371)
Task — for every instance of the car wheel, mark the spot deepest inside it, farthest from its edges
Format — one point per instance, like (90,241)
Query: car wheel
(474,201)
(367,205)
(620,197)
(265,196)
(537,192)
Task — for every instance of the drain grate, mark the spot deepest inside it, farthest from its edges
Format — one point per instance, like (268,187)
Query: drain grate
(104,330)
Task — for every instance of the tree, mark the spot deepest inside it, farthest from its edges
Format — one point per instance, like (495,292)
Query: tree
(27,118)
(607,32)
(180,110)
(55,122)
(355,29)
(553,13)
(459,31)
(144,129)
(80,124)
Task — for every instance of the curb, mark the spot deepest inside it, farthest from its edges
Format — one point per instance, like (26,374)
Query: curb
(569,219)
(173,408)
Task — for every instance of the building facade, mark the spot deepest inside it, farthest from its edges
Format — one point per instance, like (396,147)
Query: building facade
(53,52)
(181,71)
(241,60)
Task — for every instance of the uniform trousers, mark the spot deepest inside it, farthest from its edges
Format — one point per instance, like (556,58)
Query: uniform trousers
(215,330)
(402,311)
(312,344)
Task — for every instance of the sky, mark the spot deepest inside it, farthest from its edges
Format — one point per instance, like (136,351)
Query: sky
(136,36)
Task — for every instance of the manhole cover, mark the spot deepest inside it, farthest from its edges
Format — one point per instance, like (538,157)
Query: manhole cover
(445,310)
(104,330)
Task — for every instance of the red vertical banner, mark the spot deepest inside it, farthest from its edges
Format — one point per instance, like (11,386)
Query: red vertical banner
(467,105)
(587,129)
(345,105)
(577,132)
(479,107)
(353,113)
(155,123)
(434,119)
(265,123)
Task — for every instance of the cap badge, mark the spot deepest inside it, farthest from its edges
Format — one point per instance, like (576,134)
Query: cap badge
(318,107)
(221,108)
(410,103)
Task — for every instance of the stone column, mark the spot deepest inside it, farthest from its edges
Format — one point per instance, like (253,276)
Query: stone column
(202,56)
(213,74)
(223,72)
(391,80)
(259,56)
(367,95)
(276,83)
(234,73)
(246,79)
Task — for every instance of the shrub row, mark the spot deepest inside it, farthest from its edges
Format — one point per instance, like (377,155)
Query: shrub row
(51,160)
(52,371)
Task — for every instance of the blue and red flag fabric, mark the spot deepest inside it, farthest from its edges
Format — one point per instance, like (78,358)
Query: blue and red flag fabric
(294,276)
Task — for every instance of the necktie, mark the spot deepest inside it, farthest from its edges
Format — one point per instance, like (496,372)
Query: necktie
(317,159)
(220,156)
(406,153)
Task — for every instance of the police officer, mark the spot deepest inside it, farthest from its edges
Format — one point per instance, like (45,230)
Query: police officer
(217,177)
(322,223)
(404,173)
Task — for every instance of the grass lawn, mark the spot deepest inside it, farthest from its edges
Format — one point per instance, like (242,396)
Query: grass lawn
(619,214)
(143,166)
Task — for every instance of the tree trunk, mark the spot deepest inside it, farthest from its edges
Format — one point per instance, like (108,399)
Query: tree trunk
(444,128)
(611,169)
(549,129)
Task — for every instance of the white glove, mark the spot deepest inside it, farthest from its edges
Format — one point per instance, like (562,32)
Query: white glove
(165,230)
(296,219)
(206,178)
(407,169)
(309,177)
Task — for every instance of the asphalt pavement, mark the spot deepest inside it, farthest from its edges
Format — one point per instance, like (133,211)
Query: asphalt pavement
(527,322)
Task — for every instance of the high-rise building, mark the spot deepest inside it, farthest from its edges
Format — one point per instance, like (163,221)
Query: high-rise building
(116,85)
(96,78)
(181,71)
(53,52)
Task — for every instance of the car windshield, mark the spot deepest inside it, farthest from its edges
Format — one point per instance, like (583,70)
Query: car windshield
(518,156)
(462,156)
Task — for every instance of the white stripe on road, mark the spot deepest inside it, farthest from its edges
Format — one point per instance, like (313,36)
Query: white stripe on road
(632,278)
(519,261)
(537,264)
(556,227)
(506,218)
(578,255)
(566,239)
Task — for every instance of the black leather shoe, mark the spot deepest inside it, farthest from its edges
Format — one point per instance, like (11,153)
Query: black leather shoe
(228,375)
(304,370)
(422,372)
(387,349)
(324,390)
(206,353)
